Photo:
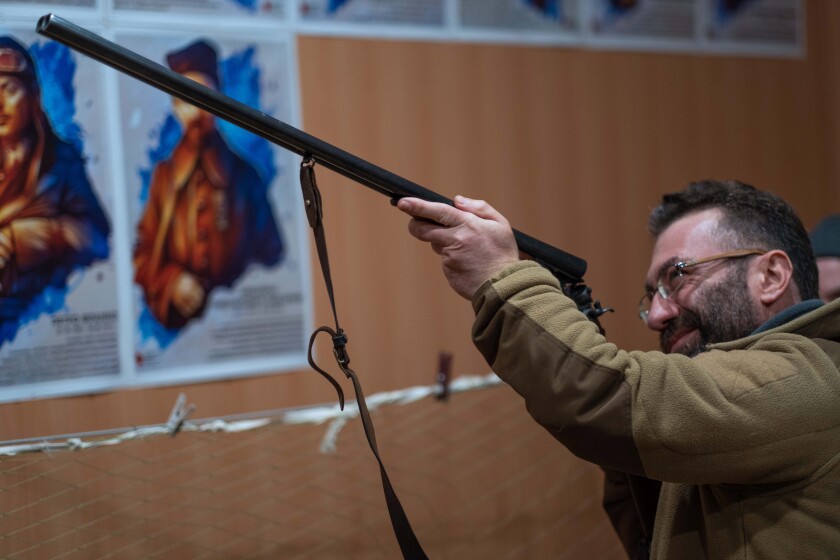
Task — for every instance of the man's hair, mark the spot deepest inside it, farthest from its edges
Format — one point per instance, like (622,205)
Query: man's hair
(751,218)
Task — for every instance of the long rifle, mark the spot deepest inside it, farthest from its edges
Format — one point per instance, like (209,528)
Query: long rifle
(568,268)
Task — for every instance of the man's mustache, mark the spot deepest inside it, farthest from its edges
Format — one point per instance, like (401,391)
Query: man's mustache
(686,321)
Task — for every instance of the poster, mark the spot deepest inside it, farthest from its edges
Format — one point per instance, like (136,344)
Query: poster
(521,15)
(243,8)
(412,12)
(218,273)
(58,282)
(647,20)
(772,23)
(39,4)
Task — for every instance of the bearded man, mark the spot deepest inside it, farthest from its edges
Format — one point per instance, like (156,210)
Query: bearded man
(738,417)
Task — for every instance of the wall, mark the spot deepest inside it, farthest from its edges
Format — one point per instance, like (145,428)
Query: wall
(573,146)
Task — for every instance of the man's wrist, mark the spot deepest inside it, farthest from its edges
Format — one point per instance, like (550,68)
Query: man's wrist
(512,279)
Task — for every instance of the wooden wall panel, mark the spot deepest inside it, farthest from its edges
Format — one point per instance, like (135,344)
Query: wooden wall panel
(824,52)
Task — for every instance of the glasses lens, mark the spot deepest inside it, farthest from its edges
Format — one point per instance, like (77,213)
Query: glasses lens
(644,307)
(670,282)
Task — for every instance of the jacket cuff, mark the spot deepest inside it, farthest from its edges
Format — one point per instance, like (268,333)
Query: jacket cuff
(513,279)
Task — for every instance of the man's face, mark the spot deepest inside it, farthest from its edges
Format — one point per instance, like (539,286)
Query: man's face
(15,107)
(713,303)
(829,269)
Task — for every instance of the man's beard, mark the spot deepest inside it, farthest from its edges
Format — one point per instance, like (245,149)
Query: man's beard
(726,314)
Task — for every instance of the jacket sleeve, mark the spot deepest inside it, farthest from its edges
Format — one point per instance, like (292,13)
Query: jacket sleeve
(721,417)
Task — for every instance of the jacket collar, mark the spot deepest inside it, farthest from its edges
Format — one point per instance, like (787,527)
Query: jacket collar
(822,321)
(790,314)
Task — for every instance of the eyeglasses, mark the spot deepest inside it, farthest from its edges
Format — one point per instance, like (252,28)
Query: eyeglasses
(672,278)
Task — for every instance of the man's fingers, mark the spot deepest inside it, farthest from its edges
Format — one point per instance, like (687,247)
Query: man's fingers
(437,212)
(431,232)
(447,215)
(480,208)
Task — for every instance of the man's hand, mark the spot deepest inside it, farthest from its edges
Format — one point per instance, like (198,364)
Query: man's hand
(474,241)
(187,294)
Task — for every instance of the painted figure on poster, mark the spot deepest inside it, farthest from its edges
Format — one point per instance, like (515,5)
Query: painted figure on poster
(548,8)
(51,222)
(207,217)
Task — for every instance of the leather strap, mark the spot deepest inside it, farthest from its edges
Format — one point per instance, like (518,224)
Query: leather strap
(409,545)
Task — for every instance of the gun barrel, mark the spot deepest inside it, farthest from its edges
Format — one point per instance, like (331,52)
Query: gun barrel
(565,265)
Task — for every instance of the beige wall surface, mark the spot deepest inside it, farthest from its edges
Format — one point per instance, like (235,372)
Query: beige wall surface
(573,146)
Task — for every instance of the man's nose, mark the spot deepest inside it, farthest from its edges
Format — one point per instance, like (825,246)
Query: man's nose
(661,311)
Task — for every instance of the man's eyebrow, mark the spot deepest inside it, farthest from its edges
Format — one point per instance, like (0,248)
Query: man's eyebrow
(668,263)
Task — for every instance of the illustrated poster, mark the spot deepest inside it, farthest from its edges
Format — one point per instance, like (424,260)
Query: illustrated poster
(261,8)
(767,22)
(417,12)
(217,262)
(643,19)
(50,3)
(520,15)
(58,294)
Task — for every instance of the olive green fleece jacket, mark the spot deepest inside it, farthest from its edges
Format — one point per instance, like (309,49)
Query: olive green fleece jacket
(745,436)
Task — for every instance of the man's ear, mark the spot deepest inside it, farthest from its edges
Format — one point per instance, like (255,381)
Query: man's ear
(772,276)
